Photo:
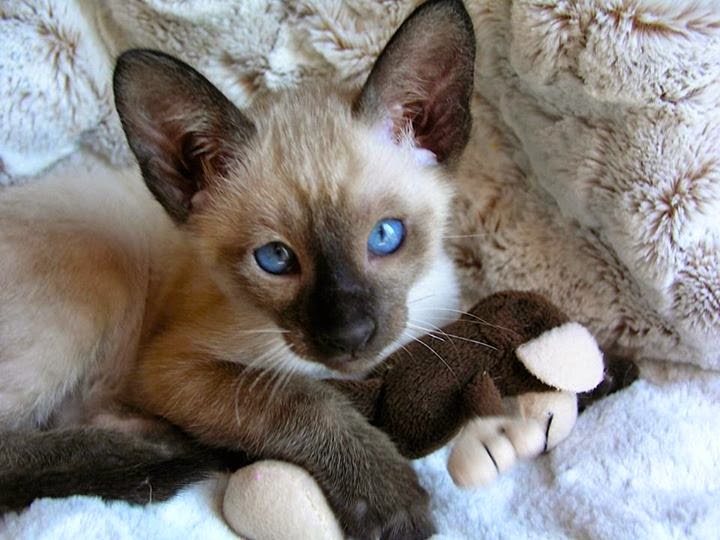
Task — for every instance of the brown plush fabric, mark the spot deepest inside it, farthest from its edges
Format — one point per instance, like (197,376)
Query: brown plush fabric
(423,394)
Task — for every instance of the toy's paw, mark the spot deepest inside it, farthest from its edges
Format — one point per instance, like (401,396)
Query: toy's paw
(276,500)
(555,411)
(488,446)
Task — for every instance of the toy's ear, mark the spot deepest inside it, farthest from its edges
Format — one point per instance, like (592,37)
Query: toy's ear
(422,81)
(183,131)
(566,357)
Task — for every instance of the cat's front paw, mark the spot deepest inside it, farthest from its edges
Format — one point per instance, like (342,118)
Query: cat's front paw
(412,522)
(395,507)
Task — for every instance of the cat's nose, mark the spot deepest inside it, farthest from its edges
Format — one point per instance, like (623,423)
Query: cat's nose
(349,338)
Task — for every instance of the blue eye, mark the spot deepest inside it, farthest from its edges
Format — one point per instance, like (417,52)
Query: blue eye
(386,237)
(276,258)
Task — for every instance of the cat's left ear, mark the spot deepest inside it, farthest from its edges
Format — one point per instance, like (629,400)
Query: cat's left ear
(422,81)
(183,131)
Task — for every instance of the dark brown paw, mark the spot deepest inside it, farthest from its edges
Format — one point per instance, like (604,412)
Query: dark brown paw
(411,523)
(393,510)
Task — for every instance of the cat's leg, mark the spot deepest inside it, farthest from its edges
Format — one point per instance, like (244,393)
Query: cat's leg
(371,488)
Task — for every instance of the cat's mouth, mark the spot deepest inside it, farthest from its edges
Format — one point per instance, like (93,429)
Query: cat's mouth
(348,364)
(355,356)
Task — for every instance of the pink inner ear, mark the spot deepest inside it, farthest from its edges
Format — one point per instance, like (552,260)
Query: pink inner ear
(424,157)
(390,135)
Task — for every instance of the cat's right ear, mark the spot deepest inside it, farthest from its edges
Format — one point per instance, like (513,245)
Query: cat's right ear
(422,82)
(184,132)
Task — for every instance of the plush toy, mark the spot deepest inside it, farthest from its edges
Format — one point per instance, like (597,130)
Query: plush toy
(503,380)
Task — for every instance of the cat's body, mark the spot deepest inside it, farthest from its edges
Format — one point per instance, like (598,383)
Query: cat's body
(81,261)
(299,240)
(123,269)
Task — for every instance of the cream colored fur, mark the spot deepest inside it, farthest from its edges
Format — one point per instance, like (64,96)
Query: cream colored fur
(73,320)
(75,257)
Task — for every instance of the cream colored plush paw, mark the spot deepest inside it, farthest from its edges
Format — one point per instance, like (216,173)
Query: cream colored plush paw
(272,500)
(555,411)
(490,445)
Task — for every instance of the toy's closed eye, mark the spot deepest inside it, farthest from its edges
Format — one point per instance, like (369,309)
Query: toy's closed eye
(386,237)
(276,258)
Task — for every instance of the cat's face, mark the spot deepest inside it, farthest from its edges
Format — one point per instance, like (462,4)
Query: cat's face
(325,227)
(323,213)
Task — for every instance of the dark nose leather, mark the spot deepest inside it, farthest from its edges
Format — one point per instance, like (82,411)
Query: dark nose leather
(341,309)
(348,338)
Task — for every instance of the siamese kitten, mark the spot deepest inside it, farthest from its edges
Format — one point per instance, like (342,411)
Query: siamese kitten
(299,240)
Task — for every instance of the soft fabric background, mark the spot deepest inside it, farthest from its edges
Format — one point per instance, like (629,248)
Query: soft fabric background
(593,176)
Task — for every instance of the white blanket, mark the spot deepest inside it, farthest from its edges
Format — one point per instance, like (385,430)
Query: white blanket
(642,464)
(593,176)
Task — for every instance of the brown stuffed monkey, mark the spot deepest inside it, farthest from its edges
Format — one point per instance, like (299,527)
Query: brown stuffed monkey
(505,377)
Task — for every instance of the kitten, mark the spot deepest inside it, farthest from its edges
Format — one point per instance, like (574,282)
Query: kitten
(301,239)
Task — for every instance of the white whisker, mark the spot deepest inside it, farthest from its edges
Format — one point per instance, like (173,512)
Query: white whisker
(422,298)
(255,363)
(281,377)
(432,351)
(428,331)
(269,359)
(434,328)
(483,321)
(461,338)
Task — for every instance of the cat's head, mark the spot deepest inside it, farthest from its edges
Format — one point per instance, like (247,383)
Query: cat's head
(323,211)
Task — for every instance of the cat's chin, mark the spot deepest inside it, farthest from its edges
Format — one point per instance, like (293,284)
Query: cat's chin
(340,367)
(347,366)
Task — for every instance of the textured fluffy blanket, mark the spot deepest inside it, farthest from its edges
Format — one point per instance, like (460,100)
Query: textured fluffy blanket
(593,176)
(640,465)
